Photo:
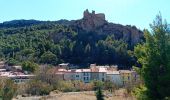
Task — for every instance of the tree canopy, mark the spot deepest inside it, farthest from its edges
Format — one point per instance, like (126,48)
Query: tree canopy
(50,43)
(154,56)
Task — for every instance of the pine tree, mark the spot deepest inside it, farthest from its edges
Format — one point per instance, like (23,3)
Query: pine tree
(154,56)
(99,94)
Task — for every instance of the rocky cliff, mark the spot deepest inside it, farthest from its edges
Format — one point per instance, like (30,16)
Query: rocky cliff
(92,22)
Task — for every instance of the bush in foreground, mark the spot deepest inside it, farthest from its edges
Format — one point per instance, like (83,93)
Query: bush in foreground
(99,94)
(7,89)
(37,87)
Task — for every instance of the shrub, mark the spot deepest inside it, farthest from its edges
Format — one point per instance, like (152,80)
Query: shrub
(98,84)
(37,87)
(140,92)
(99,94)
(110,86)
(29,66)
(66,86)
(7,89)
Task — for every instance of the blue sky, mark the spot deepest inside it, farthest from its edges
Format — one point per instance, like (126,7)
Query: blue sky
(126,12)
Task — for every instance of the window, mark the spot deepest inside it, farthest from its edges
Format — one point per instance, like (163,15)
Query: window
(86,78)
(103,74)
(102,79)
(128,78)
(85,73)
(77,75)
(123,82)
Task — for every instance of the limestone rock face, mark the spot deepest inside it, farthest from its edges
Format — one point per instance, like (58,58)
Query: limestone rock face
(129,34)
(91,21)
(96,23)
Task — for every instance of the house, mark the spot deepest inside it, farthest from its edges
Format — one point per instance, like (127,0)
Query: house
(77,74)
(69,75)
(135,77)
(21,78)
(115,77)
(98,72)
(64,65)
(86,75)
(17,77)
(57,73)
(94,73)
(101,73)
(113,68)
(83,75)
(126,76)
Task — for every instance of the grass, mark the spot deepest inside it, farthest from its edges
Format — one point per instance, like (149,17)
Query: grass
(87,95)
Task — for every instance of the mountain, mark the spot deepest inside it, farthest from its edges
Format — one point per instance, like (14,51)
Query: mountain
(97,23)
(19,23)
(91,39)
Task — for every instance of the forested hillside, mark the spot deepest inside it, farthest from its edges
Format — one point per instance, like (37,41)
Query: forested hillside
(76,42)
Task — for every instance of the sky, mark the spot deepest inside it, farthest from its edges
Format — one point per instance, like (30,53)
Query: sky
(127,12)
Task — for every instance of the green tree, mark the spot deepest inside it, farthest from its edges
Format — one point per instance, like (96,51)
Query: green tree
(154,56)
(98,84)
(29,66)
(49,58)
(12,62)
(99,94)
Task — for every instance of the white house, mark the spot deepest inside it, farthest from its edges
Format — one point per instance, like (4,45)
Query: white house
(69,75)
(98,72)
(86,75)
(21,78)
(78,74)
(115,77)
(17,77)
(64,65)
(83,75)
(102,74)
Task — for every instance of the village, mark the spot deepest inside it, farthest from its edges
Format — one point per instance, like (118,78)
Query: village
(63,72)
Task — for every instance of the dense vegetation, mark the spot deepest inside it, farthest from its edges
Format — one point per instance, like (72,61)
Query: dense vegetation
(154,56)
(7,89)
(50,43)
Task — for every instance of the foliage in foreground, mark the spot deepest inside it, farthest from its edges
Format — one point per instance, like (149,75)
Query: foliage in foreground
(7,89)
(140,92)
(154,56)
(99,94)
(36,87)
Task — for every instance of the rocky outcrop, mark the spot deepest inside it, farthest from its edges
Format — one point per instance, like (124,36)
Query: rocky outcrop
(92,22)
(129,34)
